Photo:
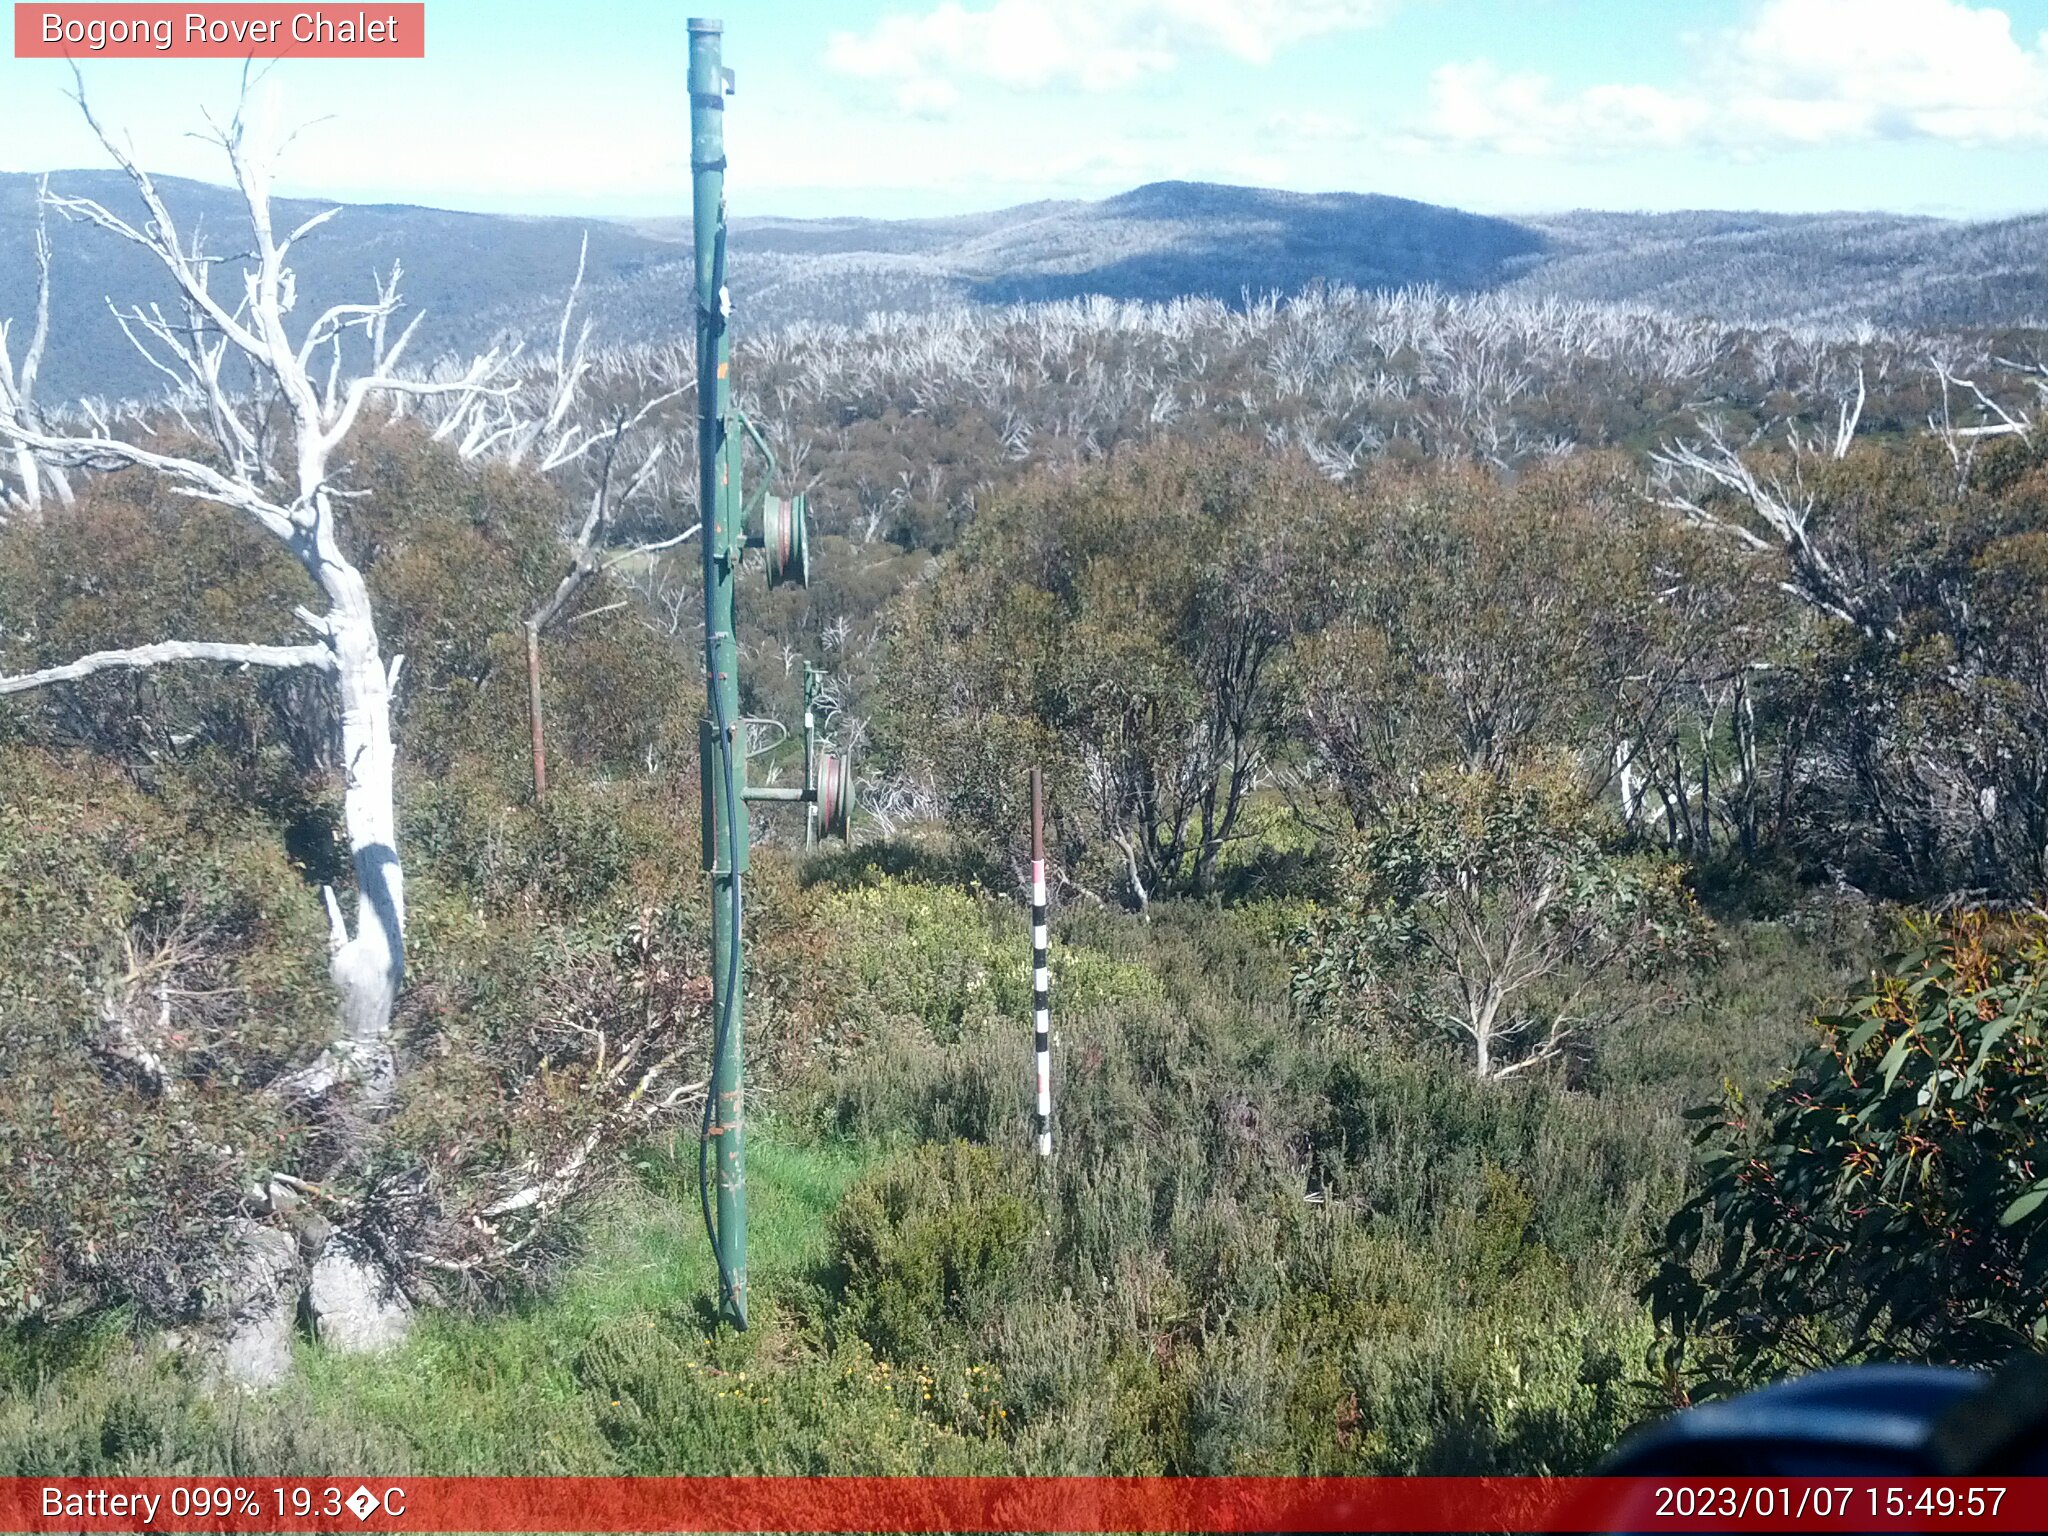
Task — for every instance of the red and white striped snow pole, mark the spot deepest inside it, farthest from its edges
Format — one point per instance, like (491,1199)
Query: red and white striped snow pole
(1041,979)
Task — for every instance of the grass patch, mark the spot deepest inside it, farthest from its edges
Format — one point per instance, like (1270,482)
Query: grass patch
(476,1394)
(544,1386)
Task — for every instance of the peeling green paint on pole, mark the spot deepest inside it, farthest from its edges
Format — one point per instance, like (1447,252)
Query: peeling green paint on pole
(721,739)
(827,791)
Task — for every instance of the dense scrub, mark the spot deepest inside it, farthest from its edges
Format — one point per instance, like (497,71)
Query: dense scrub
(1256,1249)
(167,834)
(1853,701)
(1441,808)
(140,936)
(1875,1203)
(906,427)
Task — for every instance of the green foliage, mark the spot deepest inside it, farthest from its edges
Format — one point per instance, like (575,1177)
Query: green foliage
(917,952)
(924,1236)
(1256,1250)
(475,830)
(1923,699)
(1883,1201)
(547,945)
(661,1405)
(1264,1245)
(1493,912)
(139,1411)
(1123,626)
(456,559)
(163,960)
(1159,628)
(455,554)
(1482,622)
(1456,1297)
(916,980)
(612,1372)
(158,960)
(953,962)
(133,563)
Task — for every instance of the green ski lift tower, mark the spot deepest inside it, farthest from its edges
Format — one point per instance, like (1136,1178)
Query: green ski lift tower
(784,538)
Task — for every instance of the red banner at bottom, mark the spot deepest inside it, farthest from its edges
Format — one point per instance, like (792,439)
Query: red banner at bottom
(1081,1504)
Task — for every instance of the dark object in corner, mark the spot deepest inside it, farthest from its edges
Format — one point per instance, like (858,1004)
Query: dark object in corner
(1913,1421)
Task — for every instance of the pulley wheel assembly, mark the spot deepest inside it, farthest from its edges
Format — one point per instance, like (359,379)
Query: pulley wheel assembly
(785,537)
(835,796)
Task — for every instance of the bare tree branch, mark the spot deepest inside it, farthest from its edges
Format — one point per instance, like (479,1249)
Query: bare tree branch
(198,479)
(315,656)
(18,389)
(1785,511)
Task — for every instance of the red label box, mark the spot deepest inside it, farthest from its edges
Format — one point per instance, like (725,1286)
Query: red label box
(262,31)
(397,1506)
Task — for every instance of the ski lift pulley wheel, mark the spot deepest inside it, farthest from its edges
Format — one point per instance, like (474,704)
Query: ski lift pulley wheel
(835,796)
(785,535)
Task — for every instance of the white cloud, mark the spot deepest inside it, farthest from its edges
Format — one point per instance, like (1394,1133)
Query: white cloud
(1801,72)
(1312,127)
(906,153)
(928,57)
(1480,106)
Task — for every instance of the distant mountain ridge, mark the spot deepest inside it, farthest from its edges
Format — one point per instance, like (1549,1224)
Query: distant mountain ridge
(1159,241)
(470,272)
(479,275)
(1826,268)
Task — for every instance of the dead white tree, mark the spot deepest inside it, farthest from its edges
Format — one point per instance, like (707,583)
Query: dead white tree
(18,386)
(299,503)
(1776,511)
(276,410)
(1779,511)
(1993,420)
(556,428)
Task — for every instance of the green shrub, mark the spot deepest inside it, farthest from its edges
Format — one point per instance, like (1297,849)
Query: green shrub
(666,1403)
(922,1237)
(590,846)
(920,1028)
(155,973)
(915,952)
(1885,1200)
(938,956)
(1456,1296)
(107,1405)
(1492,911)
(1140,609)
(173,915)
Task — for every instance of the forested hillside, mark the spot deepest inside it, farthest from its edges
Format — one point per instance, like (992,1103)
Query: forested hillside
(1826,269)
(1492,742)
(485,278)
(468,274)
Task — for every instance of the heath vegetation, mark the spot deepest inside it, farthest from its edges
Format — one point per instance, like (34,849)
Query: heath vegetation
(1547,809)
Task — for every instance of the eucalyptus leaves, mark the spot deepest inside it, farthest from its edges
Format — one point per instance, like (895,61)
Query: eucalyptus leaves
(1884,1200)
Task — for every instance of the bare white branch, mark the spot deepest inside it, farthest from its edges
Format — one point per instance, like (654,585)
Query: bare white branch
(165,651)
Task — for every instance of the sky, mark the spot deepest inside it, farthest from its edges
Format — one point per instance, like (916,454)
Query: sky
(895,108)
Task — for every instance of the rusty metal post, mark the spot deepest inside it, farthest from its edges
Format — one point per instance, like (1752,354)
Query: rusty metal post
(540,745)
